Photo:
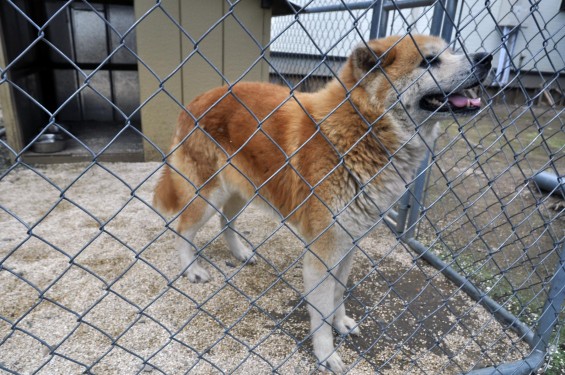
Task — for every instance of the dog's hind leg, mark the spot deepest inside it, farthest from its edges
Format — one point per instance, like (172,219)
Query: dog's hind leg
(191,220)
(231,208)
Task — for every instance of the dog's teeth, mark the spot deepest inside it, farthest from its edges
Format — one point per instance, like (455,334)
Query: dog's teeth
(436,102)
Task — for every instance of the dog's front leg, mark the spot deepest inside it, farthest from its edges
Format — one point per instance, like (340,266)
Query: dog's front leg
(342,323)
(319,286)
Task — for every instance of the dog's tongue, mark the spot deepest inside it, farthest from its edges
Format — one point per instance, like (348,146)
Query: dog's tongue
(461,101)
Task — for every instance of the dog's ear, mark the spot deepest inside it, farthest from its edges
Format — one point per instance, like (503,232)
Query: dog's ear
(364,59)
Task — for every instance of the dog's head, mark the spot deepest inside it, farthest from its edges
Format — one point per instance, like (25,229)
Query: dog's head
(419,77)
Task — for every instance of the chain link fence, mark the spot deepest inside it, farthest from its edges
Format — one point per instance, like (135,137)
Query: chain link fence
(463,274)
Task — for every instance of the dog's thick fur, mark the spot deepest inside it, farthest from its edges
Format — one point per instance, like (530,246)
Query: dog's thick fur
(329,163)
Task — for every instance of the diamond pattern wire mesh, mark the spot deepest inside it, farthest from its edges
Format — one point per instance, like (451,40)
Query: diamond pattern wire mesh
(89,280)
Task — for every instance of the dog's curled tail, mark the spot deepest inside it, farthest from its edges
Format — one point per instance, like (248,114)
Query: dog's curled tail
(165,196)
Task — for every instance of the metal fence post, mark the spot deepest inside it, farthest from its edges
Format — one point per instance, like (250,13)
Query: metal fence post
(442,20)
(415,196)
(378,21)
(553,307)
(444,13)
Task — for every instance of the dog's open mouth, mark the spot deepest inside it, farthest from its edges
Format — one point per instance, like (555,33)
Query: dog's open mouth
(457,102)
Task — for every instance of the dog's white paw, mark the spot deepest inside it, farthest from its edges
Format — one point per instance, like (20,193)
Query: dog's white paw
(243,253)
(196,273)
(334,364)
(346,326)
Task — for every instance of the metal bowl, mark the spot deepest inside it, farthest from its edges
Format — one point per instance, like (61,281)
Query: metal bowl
(49,143)
(56,129)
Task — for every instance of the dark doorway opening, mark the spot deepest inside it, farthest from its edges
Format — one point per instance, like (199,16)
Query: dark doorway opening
(78,62)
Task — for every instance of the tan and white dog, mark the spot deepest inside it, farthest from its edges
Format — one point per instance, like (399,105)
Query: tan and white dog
(329,163)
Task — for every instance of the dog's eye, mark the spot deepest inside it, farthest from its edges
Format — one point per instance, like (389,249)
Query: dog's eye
(430,60)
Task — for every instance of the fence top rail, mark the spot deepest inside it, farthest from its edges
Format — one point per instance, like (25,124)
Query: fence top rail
(387,5)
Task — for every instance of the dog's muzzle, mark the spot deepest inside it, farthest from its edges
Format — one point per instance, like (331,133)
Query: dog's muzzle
(458,102)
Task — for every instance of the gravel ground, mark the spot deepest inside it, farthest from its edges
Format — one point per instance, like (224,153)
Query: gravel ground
(90,282)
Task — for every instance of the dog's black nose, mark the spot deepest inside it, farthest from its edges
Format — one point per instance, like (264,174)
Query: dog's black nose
(482,59)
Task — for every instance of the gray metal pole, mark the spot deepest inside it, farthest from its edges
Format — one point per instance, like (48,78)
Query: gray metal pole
(378,21)
(416,197)
(437,18)
(525,366)
(537,340)
(448,20)
(402,215)
(553,306)
(499,312)
(387,5)
(443,19)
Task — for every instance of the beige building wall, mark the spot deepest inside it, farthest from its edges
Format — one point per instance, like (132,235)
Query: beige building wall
(14,134)
(194,60)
